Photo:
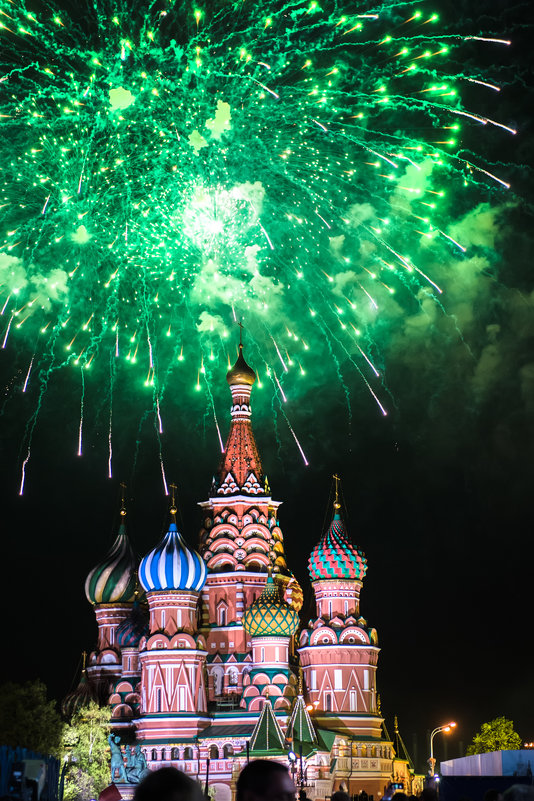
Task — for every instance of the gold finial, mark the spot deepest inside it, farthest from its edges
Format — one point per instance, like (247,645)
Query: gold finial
(396,725)
(300,681)
(173,509)
(337,479)
(241,326)
(123,499)
(84,659)
(378,704)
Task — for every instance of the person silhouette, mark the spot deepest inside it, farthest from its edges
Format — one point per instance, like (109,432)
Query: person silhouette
(168,784)
(262,780)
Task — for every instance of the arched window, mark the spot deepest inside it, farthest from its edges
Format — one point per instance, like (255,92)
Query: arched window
(222,614)
(328,702)
(228,751)
(232,676)
(217,674)
(154,755)
(188,753)
(158,700)
(175,754)
(214,752)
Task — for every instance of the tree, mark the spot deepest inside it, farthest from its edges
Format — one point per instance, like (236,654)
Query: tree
(28,719)
(86,753)
(497,735)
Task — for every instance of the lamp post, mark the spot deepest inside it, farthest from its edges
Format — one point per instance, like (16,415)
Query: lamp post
(446,728)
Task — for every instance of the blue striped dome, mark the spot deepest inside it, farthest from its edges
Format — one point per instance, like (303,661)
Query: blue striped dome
(172,565)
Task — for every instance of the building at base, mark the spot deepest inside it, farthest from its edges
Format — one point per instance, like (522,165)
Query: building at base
(201,655)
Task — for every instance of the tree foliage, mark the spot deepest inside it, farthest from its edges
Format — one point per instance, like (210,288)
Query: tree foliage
(497,735)
(86,751)
(28,719)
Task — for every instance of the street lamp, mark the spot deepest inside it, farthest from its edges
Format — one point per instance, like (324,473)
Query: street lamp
(446,728)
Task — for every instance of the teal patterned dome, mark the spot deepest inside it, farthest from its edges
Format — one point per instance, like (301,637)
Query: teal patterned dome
(114,579)
(335,557)
(269,615)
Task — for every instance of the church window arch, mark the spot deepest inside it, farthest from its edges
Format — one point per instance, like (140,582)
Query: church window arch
(232,676)
(158,700)
(228,751)
(188,753)
(154,755)
(222,614)
(214,752)
(328,702)
(175,754)
(218,675)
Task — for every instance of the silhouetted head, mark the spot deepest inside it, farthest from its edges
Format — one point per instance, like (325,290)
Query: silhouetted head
(168,784)
(262,780)
(519,792)
(429,794)
(340,795)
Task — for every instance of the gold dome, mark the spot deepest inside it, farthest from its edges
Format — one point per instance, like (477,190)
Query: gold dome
(241,373)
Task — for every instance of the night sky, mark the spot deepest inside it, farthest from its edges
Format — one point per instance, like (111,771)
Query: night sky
(438,494)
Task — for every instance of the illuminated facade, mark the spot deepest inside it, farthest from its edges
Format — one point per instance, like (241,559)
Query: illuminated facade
(204,661)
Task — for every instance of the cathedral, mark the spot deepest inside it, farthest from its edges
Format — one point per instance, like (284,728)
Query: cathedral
(202,655)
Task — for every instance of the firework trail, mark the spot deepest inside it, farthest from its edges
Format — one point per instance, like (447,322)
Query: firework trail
(166,167)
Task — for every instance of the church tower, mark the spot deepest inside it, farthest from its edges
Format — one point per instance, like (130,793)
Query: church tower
(240,532)
(338,651)
(271,624)
(110,587)
(172,656)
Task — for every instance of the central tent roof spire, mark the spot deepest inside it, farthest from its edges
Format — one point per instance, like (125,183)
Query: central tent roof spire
(240,470)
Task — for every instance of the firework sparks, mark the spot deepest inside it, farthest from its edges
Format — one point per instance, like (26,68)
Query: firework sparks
(165,173)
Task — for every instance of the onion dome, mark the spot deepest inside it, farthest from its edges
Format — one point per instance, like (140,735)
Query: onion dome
(114,579)
(132,628)
(79,698)
(241,372)
(172,565)
(269,615)
(335,557)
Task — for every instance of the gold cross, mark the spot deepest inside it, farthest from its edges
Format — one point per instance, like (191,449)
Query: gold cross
(336,501)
